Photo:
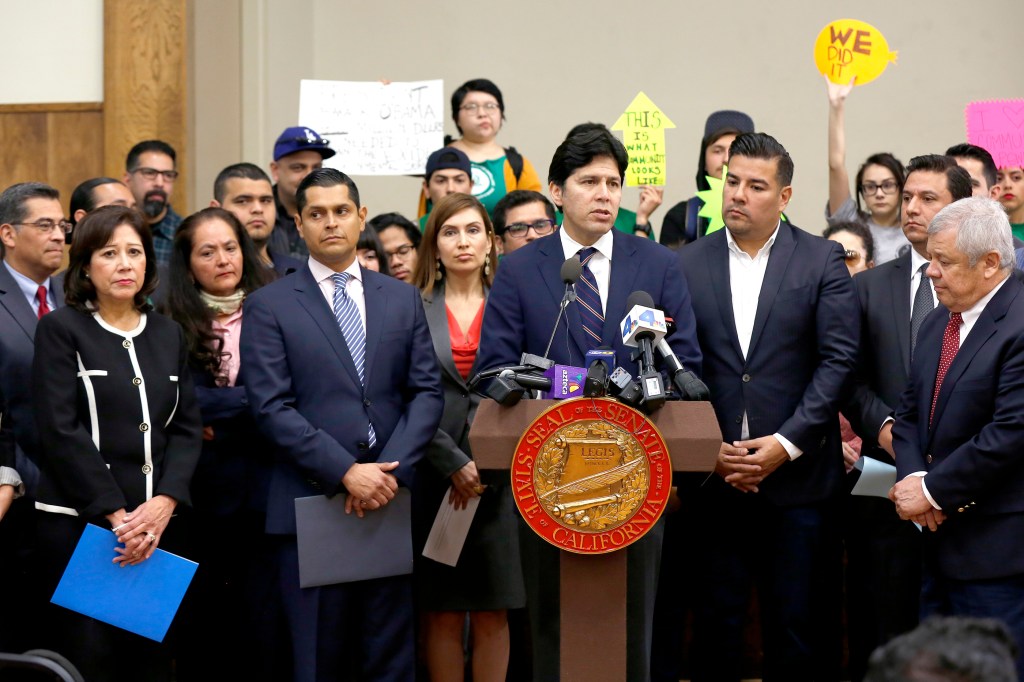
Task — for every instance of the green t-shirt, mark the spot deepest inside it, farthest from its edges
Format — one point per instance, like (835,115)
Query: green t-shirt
(423,221)
(1017,229)
(489,182)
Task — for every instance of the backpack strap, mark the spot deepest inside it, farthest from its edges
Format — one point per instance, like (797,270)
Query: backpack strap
(515,162)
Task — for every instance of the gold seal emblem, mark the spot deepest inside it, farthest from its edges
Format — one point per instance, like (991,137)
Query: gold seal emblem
(591,475)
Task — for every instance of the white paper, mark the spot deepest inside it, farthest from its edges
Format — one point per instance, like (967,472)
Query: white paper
(876,478)
(375,129)
(448,534)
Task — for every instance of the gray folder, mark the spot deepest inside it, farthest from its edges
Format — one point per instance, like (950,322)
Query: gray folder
(335,547)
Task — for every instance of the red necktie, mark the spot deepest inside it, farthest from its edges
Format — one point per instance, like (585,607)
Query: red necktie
(41,295)
(950,345)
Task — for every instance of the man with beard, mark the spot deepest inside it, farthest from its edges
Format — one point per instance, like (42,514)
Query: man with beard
(150,174)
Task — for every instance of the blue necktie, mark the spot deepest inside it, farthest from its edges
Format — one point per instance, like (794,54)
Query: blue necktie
(589,298)
(346,312)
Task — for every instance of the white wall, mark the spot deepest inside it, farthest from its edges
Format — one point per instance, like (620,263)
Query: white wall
(52,51)
(560,63)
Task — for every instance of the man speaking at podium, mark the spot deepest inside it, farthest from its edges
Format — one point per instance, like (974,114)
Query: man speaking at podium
(585,179)
(778,322)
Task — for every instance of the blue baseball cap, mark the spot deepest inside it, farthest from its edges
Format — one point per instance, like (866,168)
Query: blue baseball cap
(299,139)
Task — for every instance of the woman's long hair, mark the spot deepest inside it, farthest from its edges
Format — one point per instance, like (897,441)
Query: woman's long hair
(183,303)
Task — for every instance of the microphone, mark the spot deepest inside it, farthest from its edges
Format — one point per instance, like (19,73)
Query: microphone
(644,326)
(599,364)
(622,386)
(689,386)
(570,274)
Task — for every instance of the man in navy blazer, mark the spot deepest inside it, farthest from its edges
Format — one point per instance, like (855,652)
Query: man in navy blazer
(338,432)
(959,430)
(585,179)
(777,322)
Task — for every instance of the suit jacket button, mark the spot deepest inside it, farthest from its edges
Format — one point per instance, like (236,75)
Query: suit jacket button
(961,510)
(739,420)
(126,343)
(137,381)
(928,459)
(143,427)
(746,378)
(147,469)
(366,401)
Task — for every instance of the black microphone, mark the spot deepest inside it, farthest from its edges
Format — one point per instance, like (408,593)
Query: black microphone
(641,328)
(599,364)
(570,274)
(622,385)
(690,387)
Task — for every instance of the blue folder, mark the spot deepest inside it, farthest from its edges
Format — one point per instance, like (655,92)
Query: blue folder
(141,599)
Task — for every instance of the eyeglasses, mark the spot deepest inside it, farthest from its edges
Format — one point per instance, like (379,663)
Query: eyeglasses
(852,256)
(473,107)
(151,173)
(46,225)
(887,187)
(541,227)
(402,251)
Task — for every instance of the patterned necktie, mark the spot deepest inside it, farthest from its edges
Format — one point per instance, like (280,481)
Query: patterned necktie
(41,296)
(589,298)
(346,312)
(923,304)
(950,346)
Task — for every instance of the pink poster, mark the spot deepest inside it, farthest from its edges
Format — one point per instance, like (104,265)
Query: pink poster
(998,126)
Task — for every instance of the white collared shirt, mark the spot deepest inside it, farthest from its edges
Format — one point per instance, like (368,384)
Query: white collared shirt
(600,263)
(324,277)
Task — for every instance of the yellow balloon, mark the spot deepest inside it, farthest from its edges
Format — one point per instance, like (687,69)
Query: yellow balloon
(848,48)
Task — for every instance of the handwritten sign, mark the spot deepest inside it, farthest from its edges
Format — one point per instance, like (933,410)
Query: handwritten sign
(643,128)
(712,198)
(376,129)
(998,127)
(848,48)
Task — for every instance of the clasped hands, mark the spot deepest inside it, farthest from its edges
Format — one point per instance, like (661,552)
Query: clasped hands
(746,463)
(370,486)
(141,530)
(912,505)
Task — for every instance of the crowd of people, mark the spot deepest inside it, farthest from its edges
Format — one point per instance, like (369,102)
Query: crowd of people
(186,379)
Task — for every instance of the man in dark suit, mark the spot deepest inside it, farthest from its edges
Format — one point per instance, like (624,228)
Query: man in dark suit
(585,179)
(32,229)
(958,433)
(775,309)
(348,411)
(884,552)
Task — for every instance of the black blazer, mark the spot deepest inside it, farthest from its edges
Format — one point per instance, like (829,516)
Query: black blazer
(802,352)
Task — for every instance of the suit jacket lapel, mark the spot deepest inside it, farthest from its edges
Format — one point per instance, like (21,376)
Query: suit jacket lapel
(312,299)
(718,275)
(899,281)
(778,263)
(624,270)
(437,320)
(12,299)
(376,303)
(550,269)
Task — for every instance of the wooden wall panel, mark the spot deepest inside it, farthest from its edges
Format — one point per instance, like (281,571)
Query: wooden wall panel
(74,149)
(145,87)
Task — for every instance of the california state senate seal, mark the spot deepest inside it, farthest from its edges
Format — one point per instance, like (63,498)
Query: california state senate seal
(591,475)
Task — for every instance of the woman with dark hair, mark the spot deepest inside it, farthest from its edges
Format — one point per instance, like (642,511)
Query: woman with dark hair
(458,258)
(879,183)
(214,265)
(370,251)
(119,430)
(857,242)
(478,110)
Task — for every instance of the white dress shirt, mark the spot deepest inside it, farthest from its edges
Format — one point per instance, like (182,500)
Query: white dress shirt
(746,275)
(600,263)
(324,277)
(916,261)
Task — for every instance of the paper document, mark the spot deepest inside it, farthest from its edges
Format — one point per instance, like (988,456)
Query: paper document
(876,478)
(335,547)
(448,534)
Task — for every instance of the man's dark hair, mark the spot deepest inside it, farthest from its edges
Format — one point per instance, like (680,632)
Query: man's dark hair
(958,181)
(475,85)
(245,171)
(973,151)
(159,146)
(950,649)
(325,177)
(381,222)
(764,146)
(886,161)
(92,234)
(515,199)
(858,230)
(13,199)
(82,197)
(584,143)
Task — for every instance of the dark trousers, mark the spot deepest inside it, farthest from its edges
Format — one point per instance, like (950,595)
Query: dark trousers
(354,631)
(793,557)
(19,628)
(883,577)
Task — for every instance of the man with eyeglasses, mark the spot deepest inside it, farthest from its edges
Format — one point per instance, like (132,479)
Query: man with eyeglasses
(150,174)
(32,229)
(448,171)
(298,152)
(520,217)
(883,552)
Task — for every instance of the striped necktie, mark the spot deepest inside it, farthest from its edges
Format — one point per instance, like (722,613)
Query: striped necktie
(346,312)
(923,305)
(589,298)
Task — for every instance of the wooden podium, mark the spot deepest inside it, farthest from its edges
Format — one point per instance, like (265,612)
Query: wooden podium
(593,630)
